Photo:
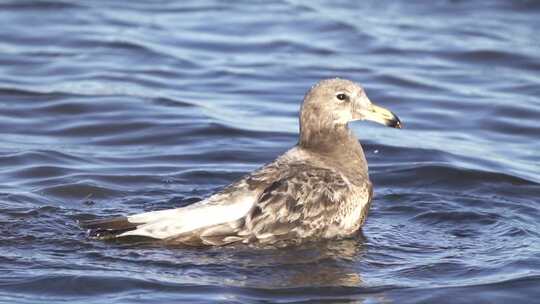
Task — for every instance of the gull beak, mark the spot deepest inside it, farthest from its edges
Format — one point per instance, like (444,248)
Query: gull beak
(382,116)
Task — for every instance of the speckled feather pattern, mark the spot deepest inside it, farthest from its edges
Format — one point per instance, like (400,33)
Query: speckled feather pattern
(298,199)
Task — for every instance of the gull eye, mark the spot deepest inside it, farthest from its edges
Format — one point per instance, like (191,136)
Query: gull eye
(341,96)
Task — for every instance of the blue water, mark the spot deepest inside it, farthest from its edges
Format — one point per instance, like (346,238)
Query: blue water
(119,107)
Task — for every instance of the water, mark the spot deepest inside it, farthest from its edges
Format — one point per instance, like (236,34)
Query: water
(114,107)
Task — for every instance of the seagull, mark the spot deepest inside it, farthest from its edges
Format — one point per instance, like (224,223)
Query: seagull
(319,189)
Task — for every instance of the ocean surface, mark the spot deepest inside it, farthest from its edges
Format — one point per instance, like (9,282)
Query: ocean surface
(119,107)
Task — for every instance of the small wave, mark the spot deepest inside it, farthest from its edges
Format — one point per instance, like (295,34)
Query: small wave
(40,157)
(40,5)
(457,217)
(495,56)
(16,92)
(77,286)
(452,177)
(80,190)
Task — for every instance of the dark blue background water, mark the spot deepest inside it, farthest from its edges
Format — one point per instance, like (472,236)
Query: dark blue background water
(113,107)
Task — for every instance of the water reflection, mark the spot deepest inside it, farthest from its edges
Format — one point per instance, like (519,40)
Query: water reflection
(316,264)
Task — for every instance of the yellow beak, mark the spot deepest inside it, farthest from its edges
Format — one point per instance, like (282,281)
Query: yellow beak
(382,116)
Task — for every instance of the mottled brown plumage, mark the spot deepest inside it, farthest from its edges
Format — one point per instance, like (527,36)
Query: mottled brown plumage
(319,189)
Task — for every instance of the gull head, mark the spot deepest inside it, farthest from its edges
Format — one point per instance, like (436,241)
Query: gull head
(332,103)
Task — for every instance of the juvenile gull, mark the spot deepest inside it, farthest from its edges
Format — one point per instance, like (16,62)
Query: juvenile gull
(319,189)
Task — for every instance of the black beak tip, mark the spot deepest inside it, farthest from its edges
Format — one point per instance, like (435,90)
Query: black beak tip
(395,123)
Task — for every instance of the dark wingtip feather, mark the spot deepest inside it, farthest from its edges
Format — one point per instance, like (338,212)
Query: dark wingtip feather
(114,223)
(107,228)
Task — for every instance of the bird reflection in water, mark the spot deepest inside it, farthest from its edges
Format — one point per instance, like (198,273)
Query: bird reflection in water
(317,264)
